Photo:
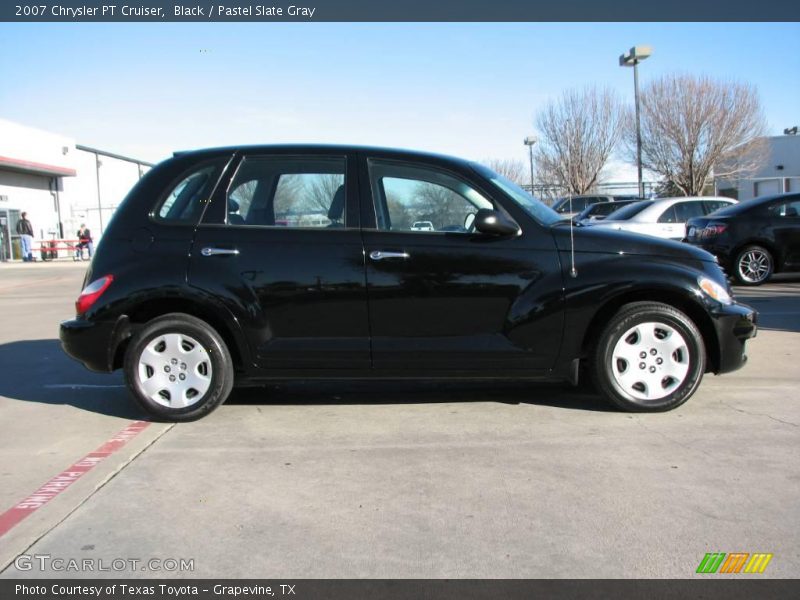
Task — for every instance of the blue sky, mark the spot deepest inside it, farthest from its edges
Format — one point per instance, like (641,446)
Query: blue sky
(466,89)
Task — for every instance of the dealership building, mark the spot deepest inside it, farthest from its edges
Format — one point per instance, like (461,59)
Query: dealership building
(59,183)
(779,172)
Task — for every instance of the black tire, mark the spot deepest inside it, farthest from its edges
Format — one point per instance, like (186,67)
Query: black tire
(607,371)
(748,276)
(216,356)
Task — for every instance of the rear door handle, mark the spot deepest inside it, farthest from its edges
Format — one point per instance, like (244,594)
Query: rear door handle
(218,251)
(384,255)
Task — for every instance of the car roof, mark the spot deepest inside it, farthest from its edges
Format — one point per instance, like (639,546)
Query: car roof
(660,204)
(674,199)
(746,205)
(396,153)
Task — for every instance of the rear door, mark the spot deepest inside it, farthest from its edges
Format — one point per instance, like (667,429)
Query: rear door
(446,298)
(280,243)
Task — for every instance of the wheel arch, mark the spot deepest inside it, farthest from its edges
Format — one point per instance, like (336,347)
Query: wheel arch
(214,316)
(677,299)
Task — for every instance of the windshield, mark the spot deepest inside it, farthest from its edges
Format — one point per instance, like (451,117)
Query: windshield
(629,211)
(533,206)
(561,205)
(606,208)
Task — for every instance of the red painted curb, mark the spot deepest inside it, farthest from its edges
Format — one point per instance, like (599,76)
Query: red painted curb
(59,483)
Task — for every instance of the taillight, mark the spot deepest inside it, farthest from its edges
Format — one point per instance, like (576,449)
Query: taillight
(713,230)
(91,293)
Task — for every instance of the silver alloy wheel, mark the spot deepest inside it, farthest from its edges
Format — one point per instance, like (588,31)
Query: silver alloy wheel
(174,370)
(650,361)
(754,265)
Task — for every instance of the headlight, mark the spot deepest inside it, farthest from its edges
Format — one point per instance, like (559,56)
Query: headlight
(714,290)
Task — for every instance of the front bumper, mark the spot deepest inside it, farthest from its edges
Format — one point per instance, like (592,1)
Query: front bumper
(734,325)
(94,344)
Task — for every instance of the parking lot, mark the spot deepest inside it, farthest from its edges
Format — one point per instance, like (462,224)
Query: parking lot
(367,480)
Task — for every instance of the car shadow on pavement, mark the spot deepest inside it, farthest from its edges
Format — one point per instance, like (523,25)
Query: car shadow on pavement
(421,392)
(39,371)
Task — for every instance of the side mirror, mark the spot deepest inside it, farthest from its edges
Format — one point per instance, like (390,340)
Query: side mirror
(495,222)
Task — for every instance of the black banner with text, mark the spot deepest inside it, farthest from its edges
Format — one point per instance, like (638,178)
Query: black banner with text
(406,10)
(396,589)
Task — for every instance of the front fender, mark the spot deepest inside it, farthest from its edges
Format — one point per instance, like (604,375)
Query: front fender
(604,282)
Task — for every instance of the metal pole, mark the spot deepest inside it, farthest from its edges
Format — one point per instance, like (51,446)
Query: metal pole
(99,204)
(530,150)
(638,126)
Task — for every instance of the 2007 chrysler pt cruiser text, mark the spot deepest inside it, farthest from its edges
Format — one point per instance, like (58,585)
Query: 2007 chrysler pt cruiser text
(237,266)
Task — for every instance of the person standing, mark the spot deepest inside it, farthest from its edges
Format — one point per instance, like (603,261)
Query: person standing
(25,231)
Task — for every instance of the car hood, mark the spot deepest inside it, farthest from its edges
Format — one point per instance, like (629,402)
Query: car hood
(612,241)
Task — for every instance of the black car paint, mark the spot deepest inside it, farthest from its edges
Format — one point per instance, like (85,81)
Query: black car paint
(309,303)
(751,222)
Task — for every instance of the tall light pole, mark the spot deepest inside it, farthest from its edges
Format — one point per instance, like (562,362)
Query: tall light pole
(632,58)
(530,141)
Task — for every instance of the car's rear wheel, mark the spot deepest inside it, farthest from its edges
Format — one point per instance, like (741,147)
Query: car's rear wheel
(178,368)
(753,265)
(649,358)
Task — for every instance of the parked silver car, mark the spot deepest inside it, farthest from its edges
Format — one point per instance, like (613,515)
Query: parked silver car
(663,217)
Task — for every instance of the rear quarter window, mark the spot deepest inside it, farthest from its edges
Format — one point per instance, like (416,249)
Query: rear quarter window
(185,201)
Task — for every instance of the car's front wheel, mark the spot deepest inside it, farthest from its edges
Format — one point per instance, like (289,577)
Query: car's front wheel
(650,357)
(178,368)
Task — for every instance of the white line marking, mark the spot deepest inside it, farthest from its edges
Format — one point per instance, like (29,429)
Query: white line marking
(80,386)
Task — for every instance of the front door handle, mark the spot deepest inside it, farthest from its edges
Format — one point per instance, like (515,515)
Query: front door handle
(208,251)
(383,255)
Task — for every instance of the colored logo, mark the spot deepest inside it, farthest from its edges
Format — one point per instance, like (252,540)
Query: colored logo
(735,562)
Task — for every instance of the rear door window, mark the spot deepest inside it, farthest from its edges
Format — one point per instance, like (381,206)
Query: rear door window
(302,192)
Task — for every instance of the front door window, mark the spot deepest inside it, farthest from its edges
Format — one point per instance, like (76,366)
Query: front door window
(422,200)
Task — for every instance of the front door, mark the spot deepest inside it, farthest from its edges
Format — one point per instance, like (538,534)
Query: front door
(282,238)
(444,297)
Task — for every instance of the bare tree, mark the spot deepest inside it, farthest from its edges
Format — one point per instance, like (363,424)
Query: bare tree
(512,169)
(696,128)
(577,134)
(321,189)
(440,205)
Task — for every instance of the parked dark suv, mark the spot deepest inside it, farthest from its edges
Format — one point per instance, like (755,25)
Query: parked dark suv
(752,239)
(242,265)
(571,206)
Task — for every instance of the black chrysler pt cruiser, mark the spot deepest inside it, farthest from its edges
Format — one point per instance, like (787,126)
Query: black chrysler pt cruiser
(238,266)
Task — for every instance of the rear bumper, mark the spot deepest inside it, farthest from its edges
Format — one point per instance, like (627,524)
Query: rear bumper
(93,344)
(734,324)
(722,252)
